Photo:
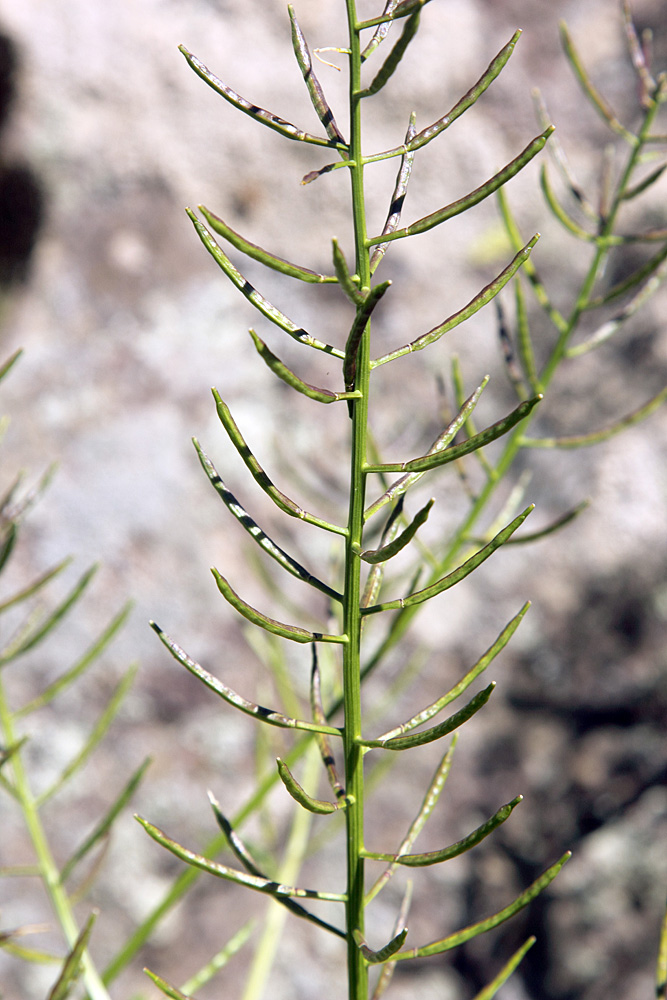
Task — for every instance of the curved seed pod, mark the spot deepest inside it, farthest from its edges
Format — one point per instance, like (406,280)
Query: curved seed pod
(388,969)
(608,329)
(643,185)
(375,577)
(647,270)
(248,862)
(509,354)
(428,804)
(103,827)
(71,969)
(384,954)
(39,627)
(454,850)
(259,114)
(312,175)
(12,508)
(540,291)
(639,58)
(9,363)
(398,197)
(287,375)
(478,668)
(252,295)
(479,440)
(166,988)
(264,885)
(292,632)
(390,65)
(474,930)
(320,718)
(589,89)
(406,7)
(559,212)
(431,131)
(232,698)
(524,340)
(254,530)
(8,506)
(259,253)
(474,198)
(560,159)
(301,796)
(382,26)
(405,482)
(345,279)
(493,70)
(392,548)
(10,534)
(456,575)
(436,732)
(259,475)
(469,426)
(481,299)
(556,525)
(62,682)
(490,991)
(238,847)
(319,101)
(97,734)
(584,440)
(364,312)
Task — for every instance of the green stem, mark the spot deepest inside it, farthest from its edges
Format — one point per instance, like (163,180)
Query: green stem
(49,872)
(354,774)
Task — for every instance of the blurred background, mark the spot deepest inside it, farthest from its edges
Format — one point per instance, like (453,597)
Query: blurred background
(125,325)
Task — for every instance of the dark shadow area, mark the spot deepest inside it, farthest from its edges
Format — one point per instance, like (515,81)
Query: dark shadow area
(22,200)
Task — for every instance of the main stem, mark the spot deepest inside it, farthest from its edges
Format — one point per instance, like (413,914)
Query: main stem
(354,772)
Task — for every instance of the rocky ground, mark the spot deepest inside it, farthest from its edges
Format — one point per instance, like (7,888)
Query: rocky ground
(126,324)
